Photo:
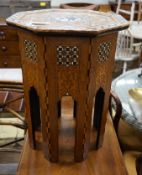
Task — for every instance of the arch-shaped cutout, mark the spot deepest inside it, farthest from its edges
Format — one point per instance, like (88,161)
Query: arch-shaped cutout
(34,110)
(98,112)
(66,129)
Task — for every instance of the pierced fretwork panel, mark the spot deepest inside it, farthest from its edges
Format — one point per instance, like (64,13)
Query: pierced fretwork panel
(67,55)
(30,50)
(104,51)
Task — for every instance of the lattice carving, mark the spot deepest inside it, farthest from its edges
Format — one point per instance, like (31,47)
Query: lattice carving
(30,50)
(67,55)
(104,52)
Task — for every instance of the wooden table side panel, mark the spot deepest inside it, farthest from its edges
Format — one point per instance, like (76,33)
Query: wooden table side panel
(82,119)
(44,100)
(52,100)
(102,62)
(70,80)
(31,74)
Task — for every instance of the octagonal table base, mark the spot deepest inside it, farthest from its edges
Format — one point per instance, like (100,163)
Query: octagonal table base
(59,66)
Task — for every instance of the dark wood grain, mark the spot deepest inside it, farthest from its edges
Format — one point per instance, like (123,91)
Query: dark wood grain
(9,47)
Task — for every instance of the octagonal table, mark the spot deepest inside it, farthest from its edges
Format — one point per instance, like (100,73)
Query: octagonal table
(67,53)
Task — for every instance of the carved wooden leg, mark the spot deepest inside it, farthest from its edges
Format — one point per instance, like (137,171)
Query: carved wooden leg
(29,118)
(53,120)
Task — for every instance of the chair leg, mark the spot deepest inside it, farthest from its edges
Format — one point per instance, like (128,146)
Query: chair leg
(6,96)
(139,11)
(124,67)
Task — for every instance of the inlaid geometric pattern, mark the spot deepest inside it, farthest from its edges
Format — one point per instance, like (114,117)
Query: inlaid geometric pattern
(104,51)
(46,111)
(67,55)
(30,50)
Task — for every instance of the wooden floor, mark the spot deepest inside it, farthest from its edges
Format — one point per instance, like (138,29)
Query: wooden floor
(9,157)
(8,169)
(9,162)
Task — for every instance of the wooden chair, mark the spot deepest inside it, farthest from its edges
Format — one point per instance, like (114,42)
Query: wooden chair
(132,156)
(87,6)
(129,13)
(11,85)
(127,50)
